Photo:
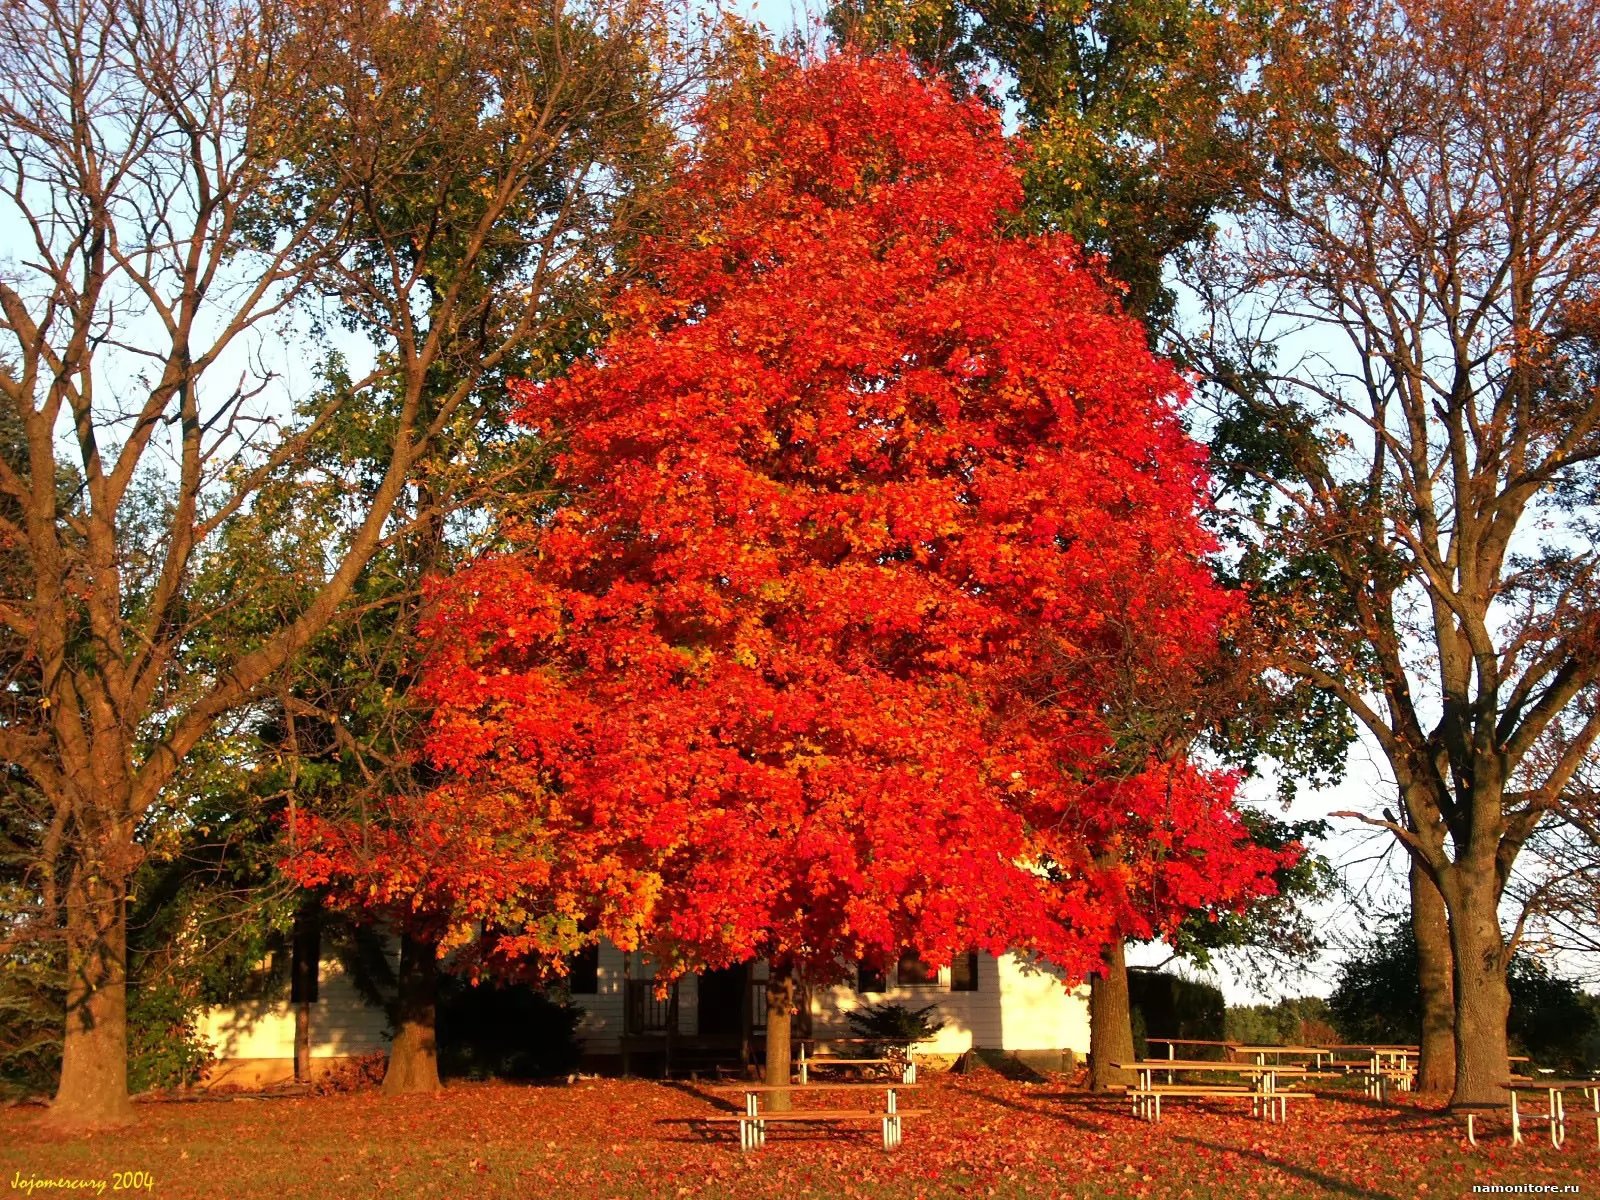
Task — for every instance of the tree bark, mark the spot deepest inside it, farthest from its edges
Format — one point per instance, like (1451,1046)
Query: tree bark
(1110,1021)
(1436,1067)
(304,964)
(1482,1001)
(93,1091)
(780,1007)
(414,1057)
(302,1043)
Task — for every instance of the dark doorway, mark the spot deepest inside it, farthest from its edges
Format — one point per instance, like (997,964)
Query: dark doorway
(722,1000)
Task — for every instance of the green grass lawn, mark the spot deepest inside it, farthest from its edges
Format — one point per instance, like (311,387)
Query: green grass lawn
(606,1138)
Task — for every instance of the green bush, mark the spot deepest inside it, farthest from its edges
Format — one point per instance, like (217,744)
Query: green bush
(505,1031)
(31,1018)
(1551,1019)
(165,1049)
(889,1026)
(1171,1006)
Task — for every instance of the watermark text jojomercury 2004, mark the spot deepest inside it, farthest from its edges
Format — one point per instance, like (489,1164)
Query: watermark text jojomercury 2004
(120,1181)
(1528,1189)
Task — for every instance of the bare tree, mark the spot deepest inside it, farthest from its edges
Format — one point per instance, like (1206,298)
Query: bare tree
(1399,331)
(193,188)
(1556,886)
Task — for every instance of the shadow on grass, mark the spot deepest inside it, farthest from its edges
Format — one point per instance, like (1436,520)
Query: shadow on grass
(1052,1114)
(1008,1066)
(1339,1187)
(701,1089)
(1391,1118)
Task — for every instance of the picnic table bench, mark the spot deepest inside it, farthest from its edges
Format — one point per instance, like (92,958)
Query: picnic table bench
(1172,1044)
(1258,1054)
(1555,1113)
(1393,1065)
(1379,1065)
(753,1120)
(1309,1057)
(901,1063)
(1267,1099)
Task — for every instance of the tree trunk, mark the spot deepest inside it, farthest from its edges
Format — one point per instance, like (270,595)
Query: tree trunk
(414,1057)
(93,1092)
(1110,1022)
(1436,1068)
(302,1043)
(304,963)
(1482,1001)
(780,1007)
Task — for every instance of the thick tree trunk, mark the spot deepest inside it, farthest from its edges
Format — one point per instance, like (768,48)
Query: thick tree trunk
(304,962)
(93,1092)
(1436,1070)
(1110,1022)
(414,1057)
(1482,1001)
(780,1007)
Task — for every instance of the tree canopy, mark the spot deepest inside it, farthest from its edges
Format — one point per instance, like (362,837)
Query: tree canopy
(873,519)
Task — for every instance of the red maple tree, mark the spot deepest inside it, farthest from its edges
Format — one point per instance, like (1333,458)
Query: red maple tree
(872,509)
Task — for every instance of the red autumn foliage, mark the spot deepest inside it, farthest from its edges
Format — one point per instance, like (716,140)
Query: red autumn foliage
(877,520)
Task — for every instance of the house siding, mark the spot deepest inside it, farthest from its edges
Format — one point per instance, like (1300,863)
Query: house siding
(602,1023)
(254,1041)
(1018,1006)
(342,1023)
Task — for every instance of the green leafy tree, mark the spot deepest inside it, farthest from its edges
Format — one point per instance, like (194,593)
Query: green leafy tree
(430,179)
(1136,113)
(1297,1021)
(1376,998)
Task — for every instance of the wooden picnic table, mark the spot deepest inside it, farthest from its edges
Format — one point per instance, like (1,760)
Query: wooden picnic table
(753,1120)
(1148,1066)
(903,1043)
(1556,1112)
(1387,1053)
(1266,1099)
(1259,1053)
(904,1063)
(1186,1042)
(1172,1045)
(1387,1064)
(1384,1063)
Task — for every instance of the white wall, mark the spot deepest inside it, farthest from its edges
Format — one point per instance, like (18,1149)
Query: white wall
(342,1023)
(1017,1006)
(601,1026)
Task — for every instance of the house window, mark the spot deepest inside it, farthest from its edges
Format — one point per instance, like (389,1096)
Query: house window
(964,972)
(871,979)
(912,971)
(583,972)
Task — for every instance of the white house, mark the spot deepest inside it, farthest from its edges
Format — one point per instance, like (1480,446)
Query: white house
(1007,1003)
(254,1042)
